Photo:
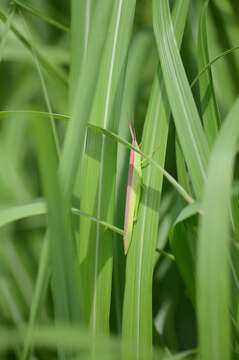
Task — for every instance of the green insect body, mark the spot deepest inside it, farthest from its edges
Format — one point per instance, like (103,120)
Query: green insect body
(133,192)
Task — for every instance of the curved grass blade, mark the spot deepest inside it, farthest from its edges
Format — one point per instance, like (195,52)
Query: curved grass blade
(213,247)
(187,121)
(210,63)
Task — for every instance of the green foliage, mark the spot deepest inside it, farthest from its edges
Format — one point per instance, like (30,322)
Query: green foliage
(74,76)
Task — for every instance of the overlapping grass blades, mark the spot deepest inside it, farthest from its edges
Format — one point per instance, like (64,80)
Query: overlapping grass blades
(187,121)
(137,321)
(209,107)
(95,245)
(161,290)
(85,89)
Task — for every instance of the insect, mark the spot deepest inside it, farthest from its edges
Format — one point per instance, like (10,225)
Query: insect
(132,192)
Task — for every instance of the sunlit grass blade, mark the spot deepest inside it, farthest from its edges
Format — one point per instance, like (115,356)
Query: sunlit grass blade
(187,121)
(213,247)
(81,21)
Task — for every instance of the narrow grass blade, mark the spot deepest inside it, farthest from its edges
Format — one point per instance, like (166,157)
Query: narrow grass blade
(213,290)
(81,21)
(209,107)
(182,172)
(40,15)
(5,33)
(15,213)
(31,113)
(210,63)
(44,89)
(187,121)
(48,66)
(42,282)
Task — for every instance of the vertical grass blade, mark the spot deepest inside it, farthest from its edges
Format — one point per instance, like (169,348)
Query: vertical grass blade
(81,19)
(63,260)
(209,107)
(213,247)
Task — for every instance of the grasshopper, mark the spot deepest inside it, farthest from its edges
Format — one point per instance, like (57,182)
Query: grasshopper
(132,192)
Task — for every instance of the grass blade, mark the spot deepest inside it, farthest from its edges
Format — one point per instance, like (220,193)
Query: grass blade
(81,22)
(213,290)
(209,107)
(44,17)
